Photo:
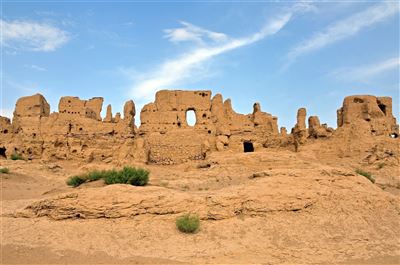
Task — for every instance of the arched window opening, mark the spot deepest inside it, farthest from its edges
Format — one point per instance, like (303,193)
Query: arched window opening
(190,117)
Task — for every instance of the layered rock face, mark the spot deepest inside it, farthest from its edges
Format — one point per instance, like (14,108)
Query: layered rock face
(77,130)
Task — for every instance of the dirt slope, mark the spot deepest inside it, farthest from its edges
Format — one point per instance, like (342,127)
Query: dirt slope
(302,208)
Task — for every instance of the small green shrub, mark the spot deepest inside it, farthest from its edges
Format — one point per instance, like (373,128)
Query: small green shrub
(75,181)
(96,175)
(381,165)
(366,174)
(128,175)
(16,156)
(4,170)
(115,177)
(137,177)
(188,223)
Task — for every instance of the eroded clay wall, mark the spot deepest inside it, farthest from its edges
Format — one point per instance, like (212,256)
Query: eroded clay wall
(87,108)
(169,110)
(176,147)
(368,113)
(78,132)
(171,140)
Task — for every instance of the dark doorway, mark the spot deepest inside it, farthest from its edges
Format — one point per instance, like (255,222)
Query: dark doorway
(3,152)
(248,147)
(383,108)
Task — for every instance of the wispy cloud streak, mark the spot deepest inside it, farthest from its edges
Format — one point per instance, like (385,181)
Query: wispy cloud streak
(345,28)
(365,72)
(172,72)
(6,113)
(35,67)
(31,36)
(194,33)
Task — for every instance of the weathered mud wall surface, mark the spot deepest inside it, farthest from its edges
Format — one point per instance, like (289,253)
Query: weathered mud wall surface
(78,132)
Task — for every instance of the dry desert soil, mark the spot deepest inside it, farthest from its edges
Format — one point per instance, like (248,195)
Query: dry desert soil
(299,208)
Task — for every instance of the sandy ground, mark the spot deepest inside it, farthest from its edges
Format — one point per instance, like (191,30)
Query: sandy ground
(304,209)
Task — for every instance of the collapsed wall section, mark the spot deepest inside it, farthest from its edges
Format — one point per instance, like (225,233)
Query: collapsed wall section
(169,111)
(170,139)
(176,147)
(78,132)
(368,114)
(85,108)
(75,132)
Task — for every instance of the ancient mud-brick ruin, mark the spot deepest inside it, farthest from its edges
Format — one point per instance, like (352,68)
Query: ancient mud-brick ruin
(78,132)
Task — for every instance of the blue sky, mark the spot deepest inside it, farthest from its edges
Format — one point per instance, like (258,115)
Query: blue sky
(284,55)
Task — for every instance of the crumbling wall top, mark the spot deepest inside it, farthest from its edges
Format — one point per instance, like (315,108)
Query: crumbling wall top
(182,100)
(374,113)
(88,108)
(32,106)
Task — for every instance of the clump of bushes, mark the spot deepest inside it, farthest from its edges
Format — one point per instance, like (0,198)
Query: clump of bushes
(188,223)
(366,174)
(75,181)
(4,170)
(15,156)
(128,175)
(96,174)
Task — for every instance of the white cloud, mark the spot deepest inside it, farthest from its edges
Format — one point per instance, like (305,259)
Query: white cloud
(365,72)
(193,33)
(345,28)
(173,71)
(36,67)
(6,113)
(31,36)
(187,66)
(128,23)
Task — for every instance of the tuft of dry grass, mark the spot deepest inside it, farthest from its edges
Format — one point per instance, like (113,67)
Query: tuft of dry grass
(366,174)
(4,170)
(188,223)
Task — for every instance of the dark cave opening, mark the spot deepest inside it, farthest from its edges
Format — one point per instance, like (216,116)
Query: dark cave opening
(3,152)
(248,147)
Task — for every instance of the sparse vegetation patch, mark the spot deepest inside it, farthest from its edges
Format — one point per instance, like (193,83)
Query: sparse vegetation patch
(16,156)
(128,175)
(75,181)
(188,223)
(368,175)
(4,170)
(96,174)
